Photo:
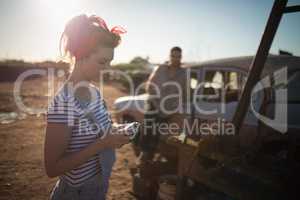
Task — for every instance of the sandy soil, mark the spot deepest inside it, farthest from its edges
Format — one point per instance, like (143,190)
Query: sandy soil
(22,174)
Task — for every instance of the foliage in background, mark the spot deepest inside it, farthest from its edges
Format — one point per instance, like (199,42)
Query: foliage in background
(137,63)
(138,69)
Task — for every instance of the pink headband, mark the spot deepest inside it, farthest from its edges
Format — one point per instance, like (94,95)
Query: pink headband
(99,21)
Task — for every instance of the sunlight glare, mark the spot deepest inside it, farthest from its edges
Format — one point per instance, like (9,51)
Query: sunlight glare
(59,12)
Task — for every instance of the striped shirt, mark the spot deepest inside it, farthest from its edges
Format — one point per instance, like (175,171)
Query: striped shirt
(85,120)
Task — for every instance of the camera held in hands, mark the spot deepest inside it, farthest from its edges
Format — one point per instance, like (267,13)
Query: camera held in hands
(132,129)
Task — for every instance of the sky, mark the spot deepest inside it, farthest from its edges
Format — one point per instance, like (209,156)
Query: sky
(204,29)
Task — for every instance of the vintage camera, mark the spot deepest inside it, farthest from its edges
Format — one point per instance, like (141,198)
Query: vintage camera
(132,130)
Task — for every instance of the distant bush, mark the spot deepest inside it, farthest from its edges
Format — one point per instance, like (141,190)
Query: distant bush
(11,69)
(137,63)
(128,67)
(138,69)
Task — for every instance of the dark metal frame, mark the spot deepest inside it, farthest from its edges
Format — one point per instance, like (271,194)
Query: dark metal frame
(279,8)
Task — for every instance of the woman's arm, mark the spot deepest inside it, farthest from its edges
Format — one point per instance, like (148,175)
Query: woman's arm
(57,161)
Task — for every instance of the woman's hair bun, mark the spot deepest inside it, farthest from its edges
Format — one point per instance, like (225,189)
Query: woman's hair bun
(82,34)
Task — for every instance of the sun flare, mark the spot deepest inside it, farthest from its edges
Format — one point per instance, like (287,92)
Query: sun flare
(59,11)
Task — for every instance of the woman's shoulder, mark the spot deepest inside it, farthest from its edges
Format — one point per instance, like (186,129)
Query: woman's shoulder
(62,96)
(62,93)
(62,108)
(96,91)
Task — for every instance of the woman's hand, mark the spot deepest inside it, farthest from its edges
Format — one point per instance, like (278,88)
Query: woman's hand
(117,137)
(114,140)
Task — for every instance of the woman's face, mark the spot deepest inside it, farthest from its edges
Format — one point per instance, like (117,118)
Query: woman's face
(100,59)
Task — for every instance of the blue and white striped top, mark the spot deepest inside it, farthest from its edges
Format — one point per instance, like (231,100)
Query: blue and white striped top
(85,120)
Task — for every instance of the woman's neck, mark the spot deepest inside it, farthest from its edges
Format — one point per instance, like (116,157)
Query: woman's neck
(80,85)
(76,76)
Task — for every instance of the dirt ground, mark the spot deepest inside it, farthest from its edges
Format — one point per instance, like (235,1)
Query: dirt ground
(22,174)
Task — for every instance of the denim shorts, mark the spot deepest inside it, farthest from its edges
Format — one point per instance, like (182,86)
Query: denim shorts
(90,190)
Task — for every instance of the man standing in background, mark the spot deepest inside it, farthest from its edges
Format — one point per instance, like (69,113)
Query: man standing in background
(170,79)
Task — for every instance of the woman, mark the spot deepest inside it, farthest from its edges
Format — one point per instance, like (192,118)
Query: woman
(79,143)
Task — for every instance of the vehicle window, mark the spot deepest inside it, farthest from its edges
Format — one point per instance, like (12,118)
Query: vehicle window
(294,88)
(232,87)
(232,81)
(221,84)
(213,79)
(243,79)
(194,79)
(294,80)
(213,85)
